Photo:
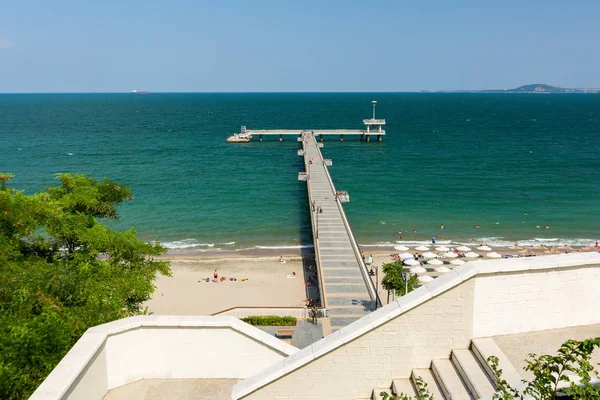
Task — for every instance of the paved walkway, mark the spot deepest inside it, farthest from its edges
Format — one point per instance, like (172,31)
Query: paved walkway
(182,389)
(305,333)
(345,290)
(518,346)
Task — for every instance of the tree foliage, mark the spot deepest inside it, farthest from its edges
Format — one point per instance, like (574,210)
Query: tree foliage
(551,374)
(394,278)
(62,271)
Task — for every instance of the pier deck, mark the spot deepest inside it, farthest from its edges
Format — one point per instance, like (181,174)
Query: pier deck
(347,290)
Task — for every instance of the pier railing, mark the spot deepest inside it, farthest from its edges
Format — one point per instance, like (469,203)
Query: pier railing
(363,268)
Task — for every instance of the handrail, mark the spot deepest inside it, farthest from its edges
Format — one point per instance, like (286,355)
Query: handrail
(363,268)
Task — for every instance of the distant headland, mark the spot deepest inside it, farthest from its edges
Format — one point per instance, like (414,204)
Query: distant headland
(537,88)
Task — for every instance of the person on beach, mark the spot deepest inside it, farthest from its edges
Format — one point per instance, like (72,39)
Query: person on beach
(281,259)
(596,245)
(215,274)
(433,240)
(370,259)
(362,254)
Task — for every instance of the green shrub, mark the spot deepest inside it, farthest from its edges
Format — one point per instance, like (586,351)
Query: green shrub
(270,320)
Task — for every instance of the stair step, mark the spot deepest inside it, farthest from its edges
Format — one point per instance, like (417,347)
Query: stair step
(376,393)
(449,380)
(428,378)
(485,347)
(472,373)
(403,386)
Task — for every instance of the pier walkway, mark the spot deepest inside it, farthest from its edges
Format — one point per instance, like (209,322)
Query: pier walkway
(347,290)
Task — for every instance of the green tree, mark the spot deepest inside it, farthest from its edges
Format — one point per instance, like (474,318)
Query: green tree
(395,279)
(550,374)
(62,271)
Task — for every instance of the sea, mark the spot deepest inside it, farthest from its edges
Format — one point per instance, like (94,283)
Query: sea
(494,168)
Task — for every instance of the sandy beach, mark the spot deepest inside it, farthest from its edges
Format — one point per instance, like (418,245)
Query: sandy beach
(267,284)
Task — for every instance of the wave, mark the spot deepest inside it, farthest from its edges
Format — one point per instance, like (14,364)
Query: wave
(503,242)
(300,246)
(192,244)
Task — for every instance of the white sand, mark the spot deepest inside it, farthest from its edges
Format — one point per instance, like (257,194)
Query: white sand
(267,286)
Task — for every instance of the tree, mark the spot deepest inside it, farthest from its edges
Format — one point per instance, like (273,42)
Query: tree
(394,279)
(551,371)
(63,271)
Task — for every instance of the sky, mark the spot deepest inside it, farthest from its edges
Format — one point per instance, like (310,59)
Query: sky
(296,46)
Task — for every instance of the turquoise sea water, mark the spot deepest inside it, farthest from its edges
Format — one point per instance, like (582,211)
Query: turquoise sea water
(455,159)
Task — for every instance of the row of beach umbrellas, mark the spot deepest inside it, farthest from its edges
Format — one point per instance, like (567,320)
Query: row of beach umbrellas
(443,248)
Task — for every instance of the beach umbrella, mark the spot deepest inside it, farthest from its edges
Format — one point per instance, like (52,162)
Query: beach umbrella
(425,279)
(457,262)
(541,247)
(463,248)
(429,255)
(471,255)
(405,255)
(442,248)
(450,255)
(401,248)
(515,247)
(422,248)
(417,270)
(411,262)
(493,254)
(565,247)
(484,248)
(435,262)
(443,270)
(526,252)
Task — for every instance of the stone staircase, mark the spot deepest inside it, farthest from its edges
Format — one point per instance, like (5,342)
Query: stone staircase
(464,376)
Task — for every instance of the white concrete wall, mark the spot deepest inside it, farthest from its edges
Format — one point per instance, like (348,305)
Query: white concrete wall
(477,299)
(120,352)
(536,300)
(184,353)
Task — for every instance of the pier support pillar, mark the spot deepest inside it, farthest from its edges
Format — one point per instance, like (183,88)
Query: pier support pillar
(260,138)
(362,138)
(379,138)
(341,138)
(320,138)
(281,138)
(368,138)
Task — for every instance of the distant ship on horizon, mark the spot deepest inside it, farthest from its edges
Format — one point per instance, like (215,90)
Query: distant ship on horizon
(140,92)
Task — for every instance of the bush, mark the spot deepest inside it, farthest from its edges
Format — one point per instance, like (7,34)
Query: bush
(270,320)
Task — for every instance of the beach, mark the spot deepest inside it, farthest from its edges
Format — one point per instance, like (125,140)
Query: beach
(267,283)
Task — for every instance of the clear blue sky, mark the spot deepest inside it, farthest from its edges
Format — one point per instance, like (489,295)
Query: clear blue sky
(326,45)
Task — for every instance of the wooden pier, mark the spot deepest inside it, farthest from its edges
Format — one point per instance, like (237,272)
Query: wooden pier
(347,290)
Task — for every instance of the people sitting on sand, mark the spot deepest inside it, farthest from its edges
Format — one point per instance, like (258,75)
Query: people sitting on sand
(282,260)
(292,275)
(223,279)
(370,259)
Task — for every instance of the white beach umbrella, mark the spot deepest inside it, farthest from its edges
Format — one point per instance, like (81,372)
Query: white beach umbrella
(422,248)
(493,254)
(463,248)
(457,262)
(401,248)
(443,270)
(425,279)
(429,255)
(484,248)
(412,262)
(417,270)
(435,262)
(450,255)
(442,248)
(471,255)
(405,255)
